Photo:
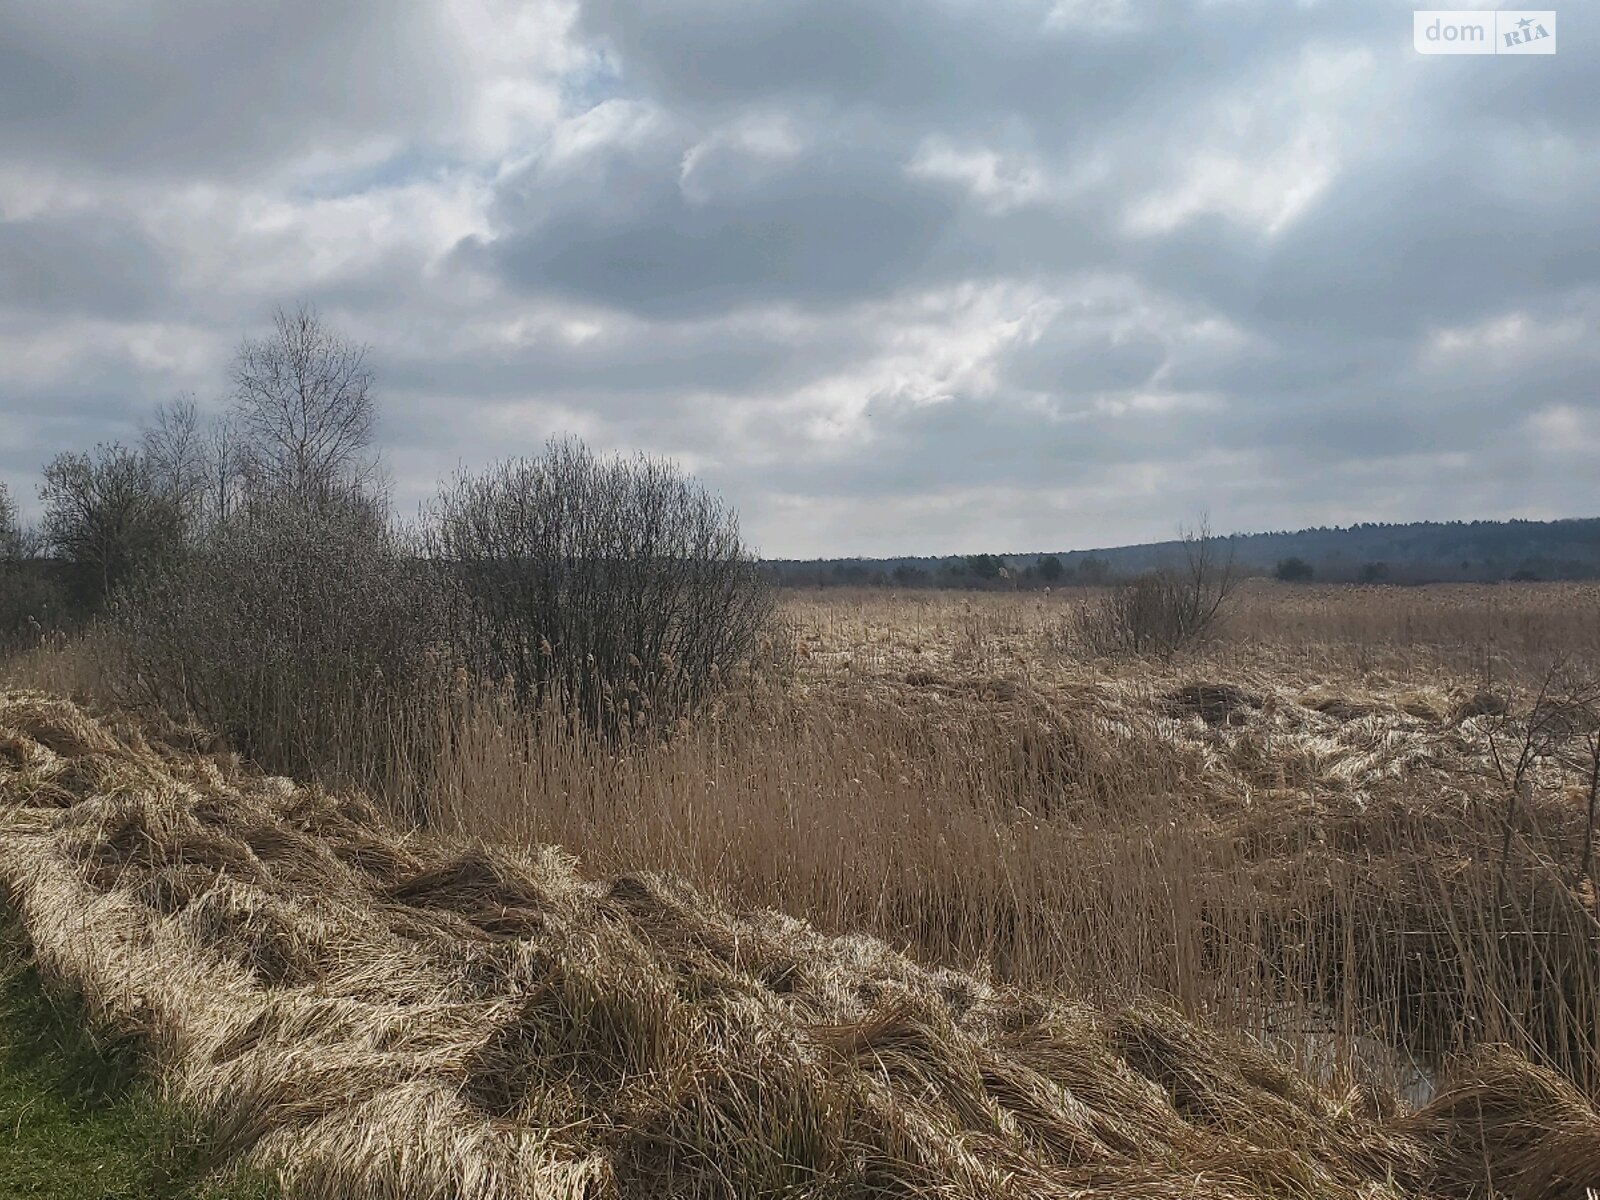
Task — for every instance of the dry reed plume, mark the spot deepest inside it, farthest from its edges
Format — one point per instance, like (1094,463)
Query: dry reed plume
(377,1015)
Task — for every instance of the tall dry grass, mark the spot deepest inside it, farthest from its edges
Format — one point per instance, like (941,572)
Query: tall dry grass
(1300,829)
(73,666)
(1488,632)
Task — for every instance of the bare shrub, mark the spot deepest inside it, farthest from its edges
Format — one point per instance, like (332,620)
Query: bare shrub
(305,629)
(617,585)
(1560,726)
(1160,612)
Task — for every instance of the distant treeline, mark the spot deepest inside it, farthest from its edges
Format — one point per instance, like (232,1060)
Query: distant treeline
(1418,552)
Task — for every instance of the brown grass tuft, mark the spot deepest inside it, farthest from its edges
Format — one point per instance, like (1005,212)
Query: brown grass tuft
(1506,1126)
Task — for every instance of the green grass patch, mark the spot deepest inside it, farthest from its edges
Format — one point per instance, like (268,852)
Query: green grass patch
(77,1119)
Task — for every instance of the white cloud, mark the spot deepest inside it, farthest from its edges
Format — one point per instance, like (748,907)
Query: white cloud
(1509,339)
(932,348)
(1566,431)
(734,160)
(1268,150)
(999,181)
(1114,16)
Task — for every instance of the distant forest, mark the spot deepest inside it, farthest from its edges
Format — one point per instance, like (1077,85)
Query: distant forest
(1419,552)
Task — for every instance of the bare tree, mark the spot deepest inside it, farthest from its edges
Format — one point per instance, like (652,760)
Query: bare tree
(19,543)
(106,516)
(305,406)
(10,527)
(175,452)
(30,602)
(1564,709)
(1591,745)
(223,466)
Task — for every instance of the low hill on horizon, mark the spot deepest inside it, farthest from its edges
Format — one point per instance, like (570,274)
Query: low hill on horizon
(1370,552)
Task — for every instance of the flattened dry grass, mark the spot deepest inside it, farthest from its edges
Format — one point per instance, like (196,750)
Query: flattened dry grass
(369,1014)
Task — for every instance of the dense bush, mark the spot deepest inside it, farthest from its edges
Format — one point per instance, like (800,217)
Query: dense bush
(1294,570)
(105,518)
(31,601)
(616,585)
(985,567)
(304,628)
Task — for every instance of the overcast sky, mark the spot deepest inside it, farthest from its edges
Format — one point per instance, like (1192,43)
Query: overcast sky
(892,276)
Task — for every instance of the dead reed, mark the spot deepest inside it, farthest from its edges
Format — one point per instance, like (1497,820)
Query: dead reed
(402,1016)
(1263,828)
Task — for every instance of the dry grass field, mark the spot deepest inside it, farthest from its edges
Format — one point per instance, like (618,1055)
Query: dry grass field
(1307,911)
(1311,809)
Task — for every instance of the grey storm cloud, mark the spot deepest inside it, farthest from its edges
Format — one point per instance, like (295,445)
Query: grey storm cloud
(100,265)
(895,276)
(816,228)
(179,87)
(957,64)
